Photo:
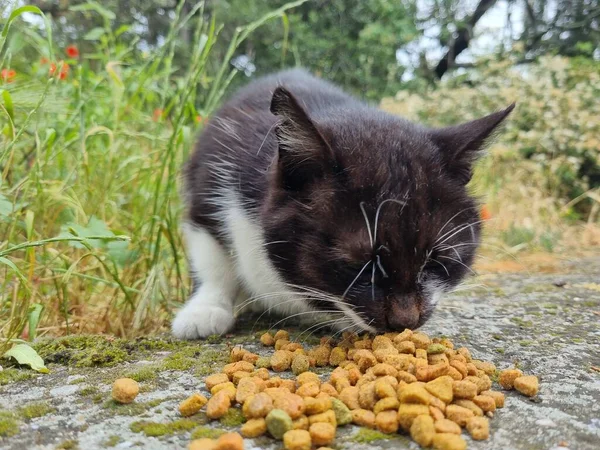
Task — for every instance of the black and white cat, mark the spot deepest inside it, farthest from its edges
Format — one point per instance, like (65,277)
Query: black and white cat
(310,202)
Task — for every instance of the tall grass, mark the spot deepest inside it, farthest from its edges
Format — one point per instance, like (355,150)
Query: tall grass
(89,162)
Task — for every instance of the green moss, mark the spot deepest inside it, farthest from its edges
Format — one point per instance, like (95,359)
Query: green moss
(162,429)
(88,390)
(8,424)
(12,375)
(98,398)
(147,373)
(210,361)
(83,351)
(214,339)
(366,436)
(131,409)
(112,441)
(68,445)
(525,343)
(232,418)
(78,380)
(206,432)
(521,322)
(500,350)
(35,410)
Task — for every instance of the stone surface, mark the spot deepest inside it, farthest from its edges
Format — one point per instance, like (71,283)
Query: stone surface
(548,324)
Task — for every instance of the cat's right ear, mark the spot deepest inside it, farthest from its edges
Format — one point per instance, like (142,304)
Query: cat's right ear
(304,154)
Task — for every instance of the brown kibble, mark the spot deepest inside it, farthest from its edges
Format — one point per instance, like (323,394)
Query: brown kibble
(293,347)
(237,354)
(497,396)
(192,405)
(350,397)
(281,361)
(458,414)
(381,342)
(254,428)
(308,390)
(363,417)
(487,367)
(464,389)
(447,426)
(460,366)
(329,390)
(421,353)
(507,378)
(297,440)
(454,374)
(125,390)
(321,355)
(483,383)
(307,377)
(322,433)
(317,405)
(437,358)
(469,405)
(292,404)
(227,388)
(240,366)
(237,376)
(408,412)
(300,364)
(218,405)
(448,441)
(485,403)
(385,404)
(463,351)
(406,377)
(406,347)
(414,393)
(436,402)
(527,385)
(471,369)
(384,389)
(387,421)
(478,428)
(213,380)
(230,441)
(202,444)
(337,355)
(257,406)
(282,334)
(428,373)
(436,413)
(441,388)
(262,374)
(422,430)
(366,396)
(326,417)
(301,423)
(421,340)
(263,363)
(267,340)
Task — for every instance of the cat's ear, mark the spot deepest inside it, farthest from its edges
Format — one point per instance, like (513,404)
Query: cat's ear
(461,145)
(304,154)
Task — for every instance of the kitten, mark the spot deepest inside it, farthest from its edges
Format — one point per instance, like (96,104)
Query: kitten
(313,203)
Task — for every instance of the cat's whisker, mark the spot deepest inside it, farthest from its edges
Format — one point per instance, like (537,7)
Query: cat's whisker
(451,218)
(457,231)
(355,279)
(364,211)
(316,327)
(435,260)
(302,314)
(393,200)
(265,138)
(459,262)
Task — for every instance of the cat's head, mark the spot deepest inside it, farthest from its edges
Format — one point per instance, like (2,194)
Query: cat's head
(368,213)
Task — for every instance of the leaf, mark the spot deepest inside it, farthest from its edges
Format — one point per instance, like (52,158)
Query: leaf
(34,316)
(94,34)
(95,227)
(6,207)
(93,6)
(26,355)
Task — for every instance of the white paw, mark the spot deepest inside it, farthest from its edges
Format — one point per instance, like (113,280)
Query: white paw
(199,321)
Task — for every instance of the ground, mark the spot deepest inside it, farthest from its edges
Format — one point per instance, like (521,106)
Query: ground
(547,324)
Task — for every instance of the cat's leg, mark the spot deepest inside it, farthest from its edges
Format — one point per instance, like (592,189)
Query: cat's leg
(209,309)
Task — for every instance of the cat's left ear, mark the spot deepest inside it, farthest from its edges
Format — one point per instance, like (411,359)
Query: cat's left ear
(461,145)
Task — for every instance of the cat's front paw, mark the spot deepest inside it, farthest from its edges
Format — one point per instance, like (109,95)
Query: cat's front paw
(194,322)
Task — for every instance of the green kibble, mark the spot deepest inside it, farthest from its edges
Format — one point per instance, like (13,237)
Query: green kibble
(436,349)
(278,423)
(300,364)
(263,363)
(343,416)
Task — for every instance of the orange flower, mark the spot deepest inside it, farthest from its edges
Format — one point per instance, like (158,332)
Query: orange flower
(485,213)
(44,61)
(198,118)
(72,51)
(52,69)
(157,114)
(7,75)
(64,72)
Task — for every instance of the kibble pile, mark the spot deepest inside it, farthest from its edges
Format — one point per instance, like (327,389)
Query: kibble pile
(396,382)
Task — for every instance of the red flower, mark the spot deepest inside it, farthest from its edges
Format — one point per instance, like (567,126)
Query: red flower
(7,75)
(157,114)
(52,69)
(199,118)
(485,213)
(72,51)
(64,70)
(44,61)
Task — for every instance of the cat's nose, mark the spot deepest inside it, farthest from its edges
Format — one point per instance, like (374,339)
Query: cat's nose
(401,316)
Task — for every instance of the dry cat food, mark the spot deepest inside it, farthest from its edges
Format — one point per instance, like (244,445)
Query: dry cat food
(395,383)
(125,390)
